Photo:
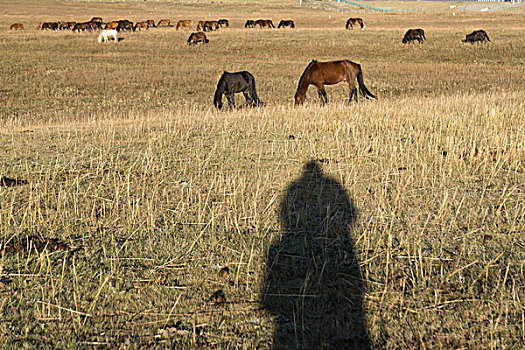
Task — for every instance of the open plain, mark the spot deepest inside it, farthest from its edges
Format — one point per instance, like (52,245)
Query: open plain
(127,201)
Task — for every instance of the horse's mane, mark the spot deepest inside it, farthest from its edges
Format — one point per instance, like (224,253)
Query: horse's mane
(304,73)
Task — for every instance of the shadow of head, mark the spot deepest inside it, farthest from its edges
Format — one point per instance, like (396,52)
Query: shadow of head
(313,283)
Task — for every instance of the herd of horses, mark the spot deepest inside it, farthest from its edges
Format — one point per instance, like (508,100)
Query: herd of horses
(96,23)
(413,35)
(316,73)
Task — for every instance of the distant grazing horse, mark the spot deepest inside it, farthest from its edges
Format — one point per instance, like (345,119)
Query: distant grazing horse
(210,26)
(95,25)
(286,23)
(184,23)
(223,23)
(17,26)
(140,25)
(82,27)
(476,36)
(263,23)
(197,37)
(412,35)
(70,25)
(249,24)
(354,21)
(124,24)
(320,74)
(164,22)
(230,83)
(106,34)
(151,23)
(47,25)
(112,25)
(96,19)
(207,25)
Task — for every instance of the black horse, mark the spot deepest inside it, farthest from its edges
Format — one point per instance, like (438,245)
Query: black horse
(249,24)
(230,83)
(223,23)
(412,35)
(476,36)
(286,23)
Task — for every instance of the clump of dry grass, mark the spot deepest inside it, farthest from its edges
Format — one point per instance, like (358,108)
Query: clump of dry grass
(151,192)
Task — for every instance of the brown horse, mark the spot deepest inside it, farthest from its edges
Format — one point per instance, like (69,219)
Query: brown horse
(320,74)
(151,23)
(197,37)
(164,22)
(184,23)
(17,26)
(96,19)
(141,25)
(200,25)
(354,21)
(263,23)
(83,27)
(70,25)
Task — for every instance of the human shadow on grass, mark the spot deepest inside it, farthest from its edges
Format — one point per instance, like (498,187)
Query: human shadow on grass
(313,283)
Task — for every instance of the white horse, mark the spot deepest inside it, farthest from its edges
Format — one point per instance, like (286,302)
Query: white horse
(106,34)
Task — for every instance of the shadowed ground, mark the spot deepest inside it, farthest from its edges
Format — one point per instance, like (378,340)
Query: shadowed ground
(313,282)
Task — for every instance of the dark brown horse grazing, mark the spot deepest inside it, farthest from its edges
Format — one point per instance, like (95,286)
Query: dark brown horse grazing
(476,36)
(82,27)
(197,37)
(210,26)
(96,19)
(412,35)
(223,23)
(320,74)
(286,23)
(354,21)
(262,23)
(17,26)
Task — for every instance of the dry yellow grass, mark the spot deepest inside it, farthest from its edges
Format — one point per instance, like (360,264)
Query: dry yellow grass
(150,191)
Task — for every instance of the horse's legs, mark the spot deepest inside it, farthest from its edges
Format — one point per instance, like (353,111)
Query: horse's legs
(249,100)
(231,99)
(322,93)
(353,92)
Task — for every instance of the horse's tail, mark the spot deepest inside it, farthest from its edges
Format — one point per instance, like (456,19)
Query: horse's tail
(486,36)
(362,88)
(190,38)
(271,25)
(253,92)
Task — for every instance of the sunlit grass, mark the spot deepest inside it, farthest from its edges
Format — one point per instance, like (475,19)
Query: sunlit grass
(150,190)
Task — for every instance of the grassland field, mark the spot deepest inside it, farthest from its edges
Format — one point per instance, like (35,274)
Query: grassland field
(139,192)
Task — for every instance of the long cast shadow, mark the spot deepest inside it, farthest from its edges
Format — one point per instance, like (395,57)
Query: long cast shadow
(313,282)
